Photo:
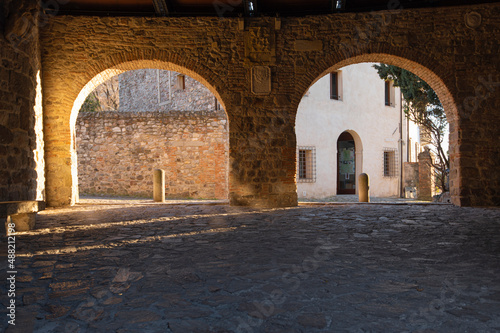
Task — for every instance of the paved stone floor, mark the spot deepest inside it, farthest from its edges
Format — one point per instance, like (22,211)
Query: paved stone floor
(348,198)
(355,198)
(215,268)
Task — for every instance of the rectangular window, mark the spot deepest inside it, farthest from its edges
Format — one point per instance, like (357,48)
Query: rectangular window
(334,85)
(390,163)
(217,105)
(306,164)
(388,93)
(181,82)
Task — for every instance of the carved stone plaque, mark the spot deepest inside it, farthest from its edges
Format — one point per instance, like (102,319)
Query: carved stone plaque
(473,20)
(261,80)
(260,45)
(308,45)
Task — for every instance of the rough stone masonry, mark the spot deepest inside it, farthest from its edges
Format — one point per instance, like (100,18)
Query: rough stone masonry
(258,68)
(118,151)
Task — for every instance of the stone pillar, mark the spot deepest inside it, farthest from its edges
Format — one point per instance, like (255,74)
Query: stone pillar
(364,188)
(159,185)
(474,172)
(426,186)
(262,157)
(60,157)
(23,221)
(21,133)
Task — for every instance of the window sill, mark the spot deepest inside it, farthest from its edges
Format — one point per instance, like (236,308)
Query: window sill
(306,181)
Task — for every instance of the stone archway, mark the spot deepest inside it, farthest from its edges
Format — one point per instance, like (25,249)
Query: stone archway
(428,75)
(458,60)
(61,114)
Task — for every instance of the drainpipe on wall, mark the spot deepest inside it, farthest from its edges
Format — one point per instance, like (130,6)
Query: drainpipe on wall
(408,148)
(401,185)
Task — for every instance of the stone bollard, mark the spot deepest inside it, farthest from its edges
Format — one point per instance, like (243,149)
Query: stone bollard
(159,185)
(364,188)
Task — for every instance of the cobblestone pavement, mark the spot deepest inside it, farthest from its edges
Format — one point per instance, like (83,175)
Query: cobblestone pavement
(354,198)
(335,198)
(215,268)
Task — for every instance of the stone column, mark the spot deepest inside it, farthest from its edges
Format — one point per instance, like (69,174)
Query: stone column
(426,186)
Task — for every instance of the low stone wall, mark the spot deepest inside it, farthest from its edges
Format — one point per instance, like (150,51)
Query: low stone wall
(410,179)
(118,151)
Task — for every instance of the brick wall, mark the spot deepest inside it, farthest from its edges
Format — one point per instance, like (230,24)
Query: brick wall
(21,134)
(118,151)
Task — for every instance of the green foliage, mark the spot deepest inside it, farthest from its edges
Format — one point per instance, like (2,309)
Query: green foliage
(91,104)
(420,98)
(423,107)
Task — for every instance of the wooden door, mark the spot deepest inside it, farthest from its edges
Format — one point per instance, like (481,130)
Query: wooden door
(346,164)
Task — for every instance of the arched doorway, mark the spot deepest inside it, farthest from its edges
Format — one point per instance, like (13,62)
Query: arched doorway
(61,115)
(425,71)
(346,164)
(143,120)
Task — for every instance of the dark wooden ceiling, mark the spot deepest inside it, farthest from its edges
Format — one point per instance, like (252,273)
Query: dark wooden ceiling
(229,8)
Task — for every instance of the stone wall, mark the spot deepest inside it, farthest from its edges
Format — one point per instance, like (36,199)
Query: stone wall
(411,178)
(21,133)
(108,94)
(157,90)
(260,68)
(118,151)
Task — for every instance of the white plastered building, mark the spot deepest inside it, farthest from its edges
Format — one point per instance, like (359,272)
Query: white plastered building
(352,122)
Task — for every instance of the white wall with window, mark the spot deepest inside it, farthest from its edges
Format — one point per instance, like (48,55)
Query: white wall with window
(355,123)
(306,169)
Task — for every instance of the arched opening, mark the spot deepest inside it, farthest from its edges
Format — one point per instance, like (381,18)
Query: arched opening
(395,147)
(148,119)
(436,82)
(62,166)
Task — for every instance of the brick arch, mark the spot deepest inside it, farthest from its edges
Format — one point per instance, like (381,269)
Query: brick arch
(100,71)
(61,159)
(432,72)
(119,68)
(436,79)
